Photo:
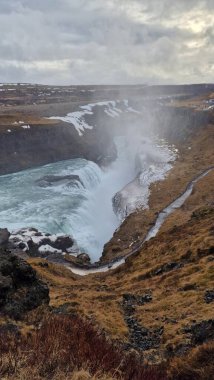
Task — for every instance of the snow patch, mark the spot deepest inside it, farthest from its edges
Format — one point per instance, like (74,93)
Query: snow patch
(113,108)
(25,126)
(47,248)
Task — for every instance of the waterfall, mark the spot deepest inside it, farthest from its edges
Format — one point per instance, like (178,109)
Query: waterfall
(75,196)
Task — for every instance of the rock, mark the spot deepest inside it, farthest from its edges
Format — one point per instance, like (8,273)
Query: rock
(51,180)
(161,270)
(209,296)
(20,288)
(167,268)
(4,237)
(136,299)
(141,337)
(83,258)
(63,242)
(201,332)
(39,244)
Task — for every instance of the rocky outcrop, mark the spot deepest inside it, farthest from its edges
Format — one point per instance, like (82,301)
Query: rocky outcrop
(20,288)
(201,332)
(51,180)
(36,243)
(81,260)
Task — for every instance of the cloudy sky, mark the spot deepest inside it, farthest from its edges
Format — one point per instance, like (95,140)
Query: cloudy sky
(107,41)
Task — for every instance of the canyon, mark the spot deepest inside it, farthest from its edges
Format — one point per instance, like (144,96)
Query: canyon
(123,155)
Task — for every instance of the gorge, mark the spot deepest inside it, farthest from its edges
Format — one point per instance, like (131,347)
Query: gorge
(91,206)
(89,185)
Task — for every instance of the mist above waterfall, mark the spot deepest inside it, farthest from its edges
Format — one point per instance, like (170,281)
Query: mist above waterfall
(82,209)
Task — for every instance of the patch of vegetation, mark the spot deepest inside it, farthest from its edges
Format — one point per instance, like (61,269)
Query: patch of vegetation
(62,348)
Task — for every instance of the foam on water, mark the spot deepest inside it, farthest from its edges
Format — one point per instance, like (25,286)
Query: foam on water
(82,209)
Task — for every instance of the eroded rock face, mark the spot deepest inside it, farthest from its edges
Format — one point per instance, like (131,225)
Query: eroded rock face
(20,288)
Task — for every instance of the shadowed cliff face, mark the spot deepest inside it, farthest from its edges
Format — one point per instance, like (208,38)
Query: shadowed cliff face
(54,140)
(42,144)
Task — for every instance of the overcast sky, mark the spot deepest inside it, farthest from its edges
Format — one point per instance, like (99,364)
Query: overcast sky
(107,41)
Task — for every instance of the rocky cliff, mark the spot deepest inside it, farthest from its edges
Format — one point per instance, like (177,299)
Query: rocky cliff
(20,288)
(41,144)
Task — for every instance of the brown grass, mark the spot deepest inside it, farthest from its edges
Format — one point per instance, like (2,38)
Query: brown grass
(62,348)
(189,163)
(199,365)
(99,296)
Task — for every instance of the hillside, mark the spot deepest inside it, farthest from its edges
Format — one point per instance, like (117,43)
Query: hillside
(155,310)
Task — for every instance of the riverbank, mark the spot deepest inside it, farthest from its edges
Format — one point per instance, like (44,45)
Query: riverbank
(195,154)
(84,270)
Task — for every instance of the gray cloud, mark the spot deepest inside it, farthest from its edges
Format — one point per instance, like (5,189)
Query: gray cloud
(114,41)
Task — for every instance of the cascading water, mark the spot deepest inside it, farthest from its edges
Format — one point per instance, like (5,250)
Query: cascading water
(75,196)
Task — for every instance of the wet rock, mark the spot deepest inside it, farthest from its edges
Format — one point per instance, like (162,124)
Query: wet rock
(209,296)
(4,237)
(52,180)
(20,289)
(63,242)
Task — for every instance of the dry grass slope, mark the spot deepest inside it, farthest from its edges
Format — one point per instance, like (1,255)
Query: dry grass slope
(176,268)
(62,348)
